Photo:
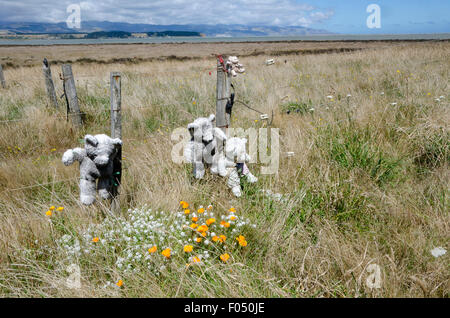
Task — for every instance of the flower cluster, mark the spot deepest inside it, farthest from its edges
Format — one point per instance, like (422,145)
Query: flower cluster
(157,240)
(53,209)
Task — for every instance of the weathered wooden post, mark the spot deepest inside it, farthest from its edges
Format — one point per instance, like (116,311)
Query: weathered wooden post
(223,119)
(71,95)
(116,132)
(49,83)
(223,94)
(2,77)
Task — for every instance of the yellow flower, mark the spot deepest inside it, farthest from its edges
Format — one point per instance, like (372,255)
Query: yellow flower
(232,210)
(429,94)
(95,239)
(60,208)
(188,248)
(187,211)
(215,238)
(232,218)
(193,225)
(196,259)
(166,252)
(184,204)
(194,219)
(201,210)
(152,249)
(202,228)
(224,257)
(119,283)
(198,239)
(241,240)
(48,213)
(53,150)
(398,71)
(225,224)
(209,208)
(210,221)
(223,238)
(52,208)
(203,234)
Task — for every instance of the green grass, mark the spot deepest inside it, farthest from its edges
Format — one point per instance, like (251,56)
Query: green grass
(356,148)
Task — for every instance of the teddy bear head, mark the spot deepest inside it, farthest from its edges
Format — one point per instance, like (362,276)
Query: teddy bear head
(101,148)
(235,150)
(202,128)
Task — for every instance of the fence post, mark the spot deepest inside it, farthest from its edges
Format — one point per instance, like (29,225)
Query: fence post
(71,95)
(2,78)
(223,94)
(49,83)
(116,132)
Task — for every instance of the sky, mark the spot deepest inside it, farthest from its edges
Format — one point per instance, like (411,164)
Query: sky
(338,16)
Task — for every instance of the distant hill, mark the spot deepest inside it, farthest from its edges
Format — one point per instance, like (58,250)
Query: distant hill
(174,33)
(108,34)
(206,29)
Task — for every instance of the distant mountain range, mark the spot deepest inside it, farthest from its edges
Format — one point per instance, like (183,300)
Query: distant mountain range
(208,30)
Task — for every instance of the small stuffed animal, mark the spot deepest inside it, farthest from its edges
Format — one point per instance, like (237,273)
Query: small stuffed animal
(88,173)
(234,66)
(206,148)
(202,134)
(96,162)
(103,149)
(236,157)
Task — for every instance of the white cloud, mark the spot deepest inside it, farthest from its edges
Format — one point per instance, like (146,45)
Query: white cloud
(315,17)
(248,12)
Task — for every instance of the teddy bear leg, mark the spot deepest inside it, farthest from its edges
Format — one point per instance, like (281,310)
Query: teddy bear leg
(214,165)
(250,177)
(199,170)
(233,182)
(104,188)
(87,191)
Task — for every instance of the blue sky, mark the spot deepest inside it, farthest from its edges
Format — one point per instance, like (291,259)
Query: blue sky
(397,16)
(339,16)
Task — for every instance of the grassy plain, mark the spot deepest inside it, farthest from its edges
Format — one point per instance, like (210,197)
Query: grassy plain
(368,184)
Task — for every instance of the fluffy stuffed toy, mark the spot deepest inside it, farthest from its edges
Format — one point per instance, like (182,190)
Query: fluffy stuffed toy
(202,140)
(234,66)
(206,149)
(96,162)
(235,159)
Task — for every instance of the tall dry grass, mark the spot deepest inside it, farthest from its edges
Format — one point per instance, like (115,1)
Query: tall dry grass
(368,183)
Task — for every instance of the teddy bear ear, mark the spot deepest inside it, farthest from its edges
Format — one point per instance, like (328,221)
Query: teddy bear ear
(212,117)
(193,126)
(91,140)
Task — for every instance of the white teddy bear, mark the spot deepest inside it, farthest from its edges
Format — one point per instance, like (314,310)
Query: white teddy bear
(202,134)
(206,147)
(235,159)
(96,162)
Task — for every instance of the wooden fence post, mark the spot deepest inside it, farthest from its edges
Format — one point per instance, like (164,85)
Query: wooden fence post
(223,94)
(49,83)
(2,78)
(71,95)
(116,132)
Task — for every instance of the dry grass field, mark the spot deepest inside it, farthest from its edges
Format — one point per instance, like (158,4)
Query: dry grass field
(18,56)
(368,184)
